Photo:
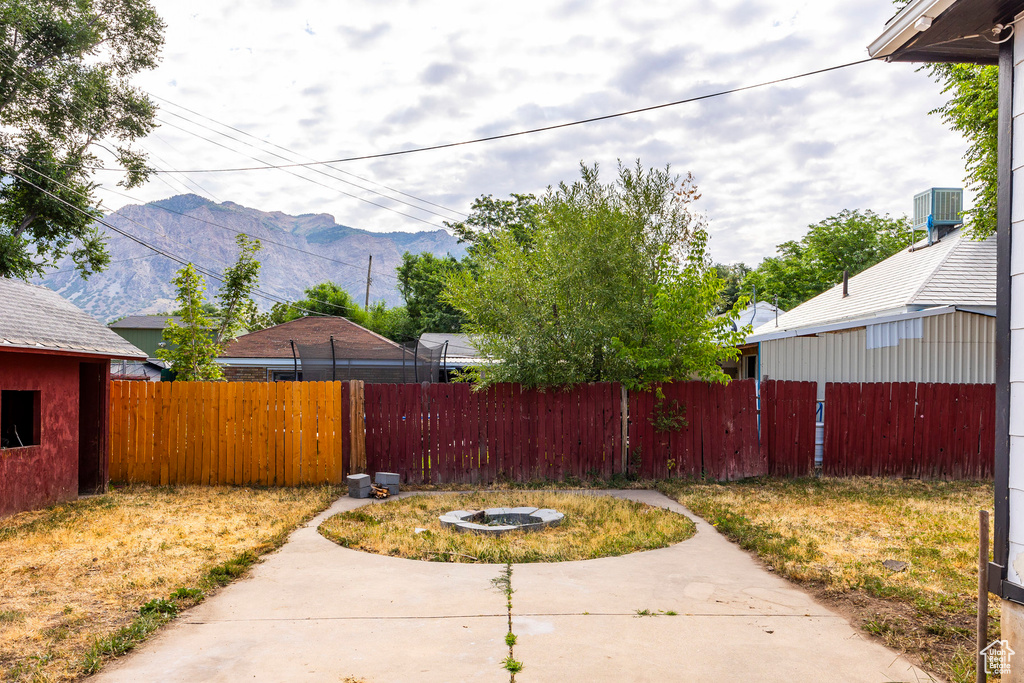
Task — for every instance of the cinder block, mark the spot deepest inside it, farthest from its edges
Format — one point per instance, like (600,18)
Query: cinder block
(393,489)
(359,485)
(386,478)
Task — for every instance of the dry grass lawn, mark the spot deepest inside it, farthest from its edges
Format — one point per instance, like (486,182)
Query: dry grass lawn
(833,535)
(74,577)
(594,526)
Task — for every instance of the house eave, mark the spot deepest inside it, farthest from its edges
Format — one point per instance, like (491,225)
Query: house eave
(812,330)
(957,31)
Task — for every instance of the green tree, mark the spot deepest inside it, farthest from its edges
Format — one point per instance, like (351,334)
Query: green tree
(973,111)
(65,69)
(191,348)
(330,299)
(421,279)
(490,218)
(591,296)
(851,241)
(731,275)
(326,298)
(234,297)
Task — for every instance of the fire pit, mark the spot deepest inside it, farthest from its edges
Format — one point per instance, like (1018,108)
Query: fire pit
(498,521)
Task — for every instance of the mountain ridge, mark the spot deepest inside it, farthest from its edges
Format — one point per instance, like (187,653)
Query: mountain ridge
(204,232)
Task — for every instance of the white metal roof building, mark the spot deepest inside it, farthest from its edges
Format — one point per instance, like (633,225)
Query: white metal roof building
(926,314)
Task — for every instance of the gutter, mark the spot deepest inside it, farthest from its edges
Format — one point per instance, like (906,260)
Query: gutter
(905,26)
(852,324)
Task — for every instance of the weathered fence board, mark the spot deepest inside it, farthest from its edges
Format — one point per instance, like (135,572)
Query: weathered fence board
(253,433)
(453,433)
(928,431)
(787,427)
(718,438)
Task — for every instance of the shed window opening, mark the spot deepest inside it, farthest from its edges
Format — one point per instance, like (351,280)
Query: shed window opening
(19,418)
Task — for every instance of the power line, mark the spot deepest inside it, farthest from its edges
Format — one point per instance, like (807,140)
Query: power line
(294,153)
(530,131)
(194,218)
(310,180)
(178,259)
(328,175)
(121,194)
(157,171)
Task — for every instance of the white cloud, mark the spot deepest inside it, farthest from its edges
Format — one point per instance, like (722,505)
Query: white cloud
(376,77)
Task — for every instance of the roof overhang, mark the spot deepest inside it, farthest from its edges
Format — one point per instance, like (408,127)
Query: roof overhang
(862,322)
(946,31)
(71,352)
(289,362)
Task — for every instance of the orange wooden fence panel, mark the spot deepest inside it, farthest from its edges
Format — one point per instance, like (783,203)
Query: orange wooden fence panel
(251,433)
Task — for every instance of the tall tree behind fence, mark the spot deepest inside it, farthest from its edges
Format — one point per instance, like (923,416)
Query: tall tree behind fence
(442,433)
(905,429)
(259,433)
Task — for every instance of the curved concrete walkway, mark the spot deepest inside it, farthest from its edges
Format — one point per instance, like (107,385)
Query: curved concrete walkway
(314,611)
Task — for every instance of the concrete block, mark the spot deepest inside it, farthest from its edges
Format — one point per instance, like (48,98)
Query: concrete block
(359,481)
(385,478)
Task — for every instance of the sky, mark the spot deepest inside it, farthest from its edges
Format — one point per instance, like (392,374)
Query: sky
(341,79)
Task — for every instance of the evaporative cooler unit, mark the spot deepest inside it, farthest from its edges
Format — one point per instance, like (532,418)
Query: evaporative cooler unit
(938,211)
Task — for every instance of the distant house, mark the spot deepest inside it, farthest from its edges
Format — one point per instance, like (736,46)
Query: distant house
(755,315)
(54,397)
(925,314)
(319,348)
(144,331)
(457,351)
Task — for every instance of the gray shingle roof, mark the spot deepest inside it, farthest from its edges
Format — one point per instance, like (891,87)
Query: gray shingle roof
(34,317)
(144,322)
(956,271)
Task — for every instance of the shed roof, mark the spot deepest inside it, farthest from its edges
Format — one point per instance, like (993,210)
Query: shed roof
(955,271)
(36,318)
(459,345)
(350,340)
(144,322)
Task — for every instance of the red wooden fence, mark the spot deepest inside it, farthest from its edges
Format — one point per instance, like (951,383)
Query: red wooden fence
(719,439)
(787,427)
(928,431)
(441,433)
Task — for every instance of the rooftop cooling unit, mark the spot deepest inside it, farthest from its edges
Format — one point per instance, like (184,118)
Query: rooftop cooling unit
(938,210)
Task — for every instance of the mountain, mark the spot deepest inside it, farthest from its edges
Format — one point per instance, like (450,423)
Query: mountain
(196,229)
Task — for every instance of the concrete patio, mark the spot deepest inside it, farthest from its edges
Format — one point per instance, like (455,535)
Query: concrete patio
(314,611)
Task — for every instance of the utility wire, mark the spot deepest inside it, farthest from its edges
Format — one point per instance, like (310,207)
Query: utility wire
(294,153)
(190,217)
(287,170)
(530,131)
(178,259)
(157,171)
(195,218)
(317,170)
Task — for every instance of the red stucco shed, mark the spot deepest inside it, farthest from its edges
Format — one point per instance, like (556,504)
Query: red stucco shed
(54,397)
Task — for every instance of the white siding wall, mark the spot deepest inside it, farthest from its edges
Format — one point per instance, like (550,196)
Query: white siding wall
(1016,531)
(956,347)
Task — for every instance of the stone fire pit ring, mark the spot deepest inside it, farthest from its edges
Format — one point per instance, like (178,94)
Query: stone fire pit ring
(498,521)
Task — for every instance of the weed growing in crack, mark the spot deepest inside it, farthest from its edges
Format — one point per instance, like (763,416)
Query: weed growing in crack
(503,582)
